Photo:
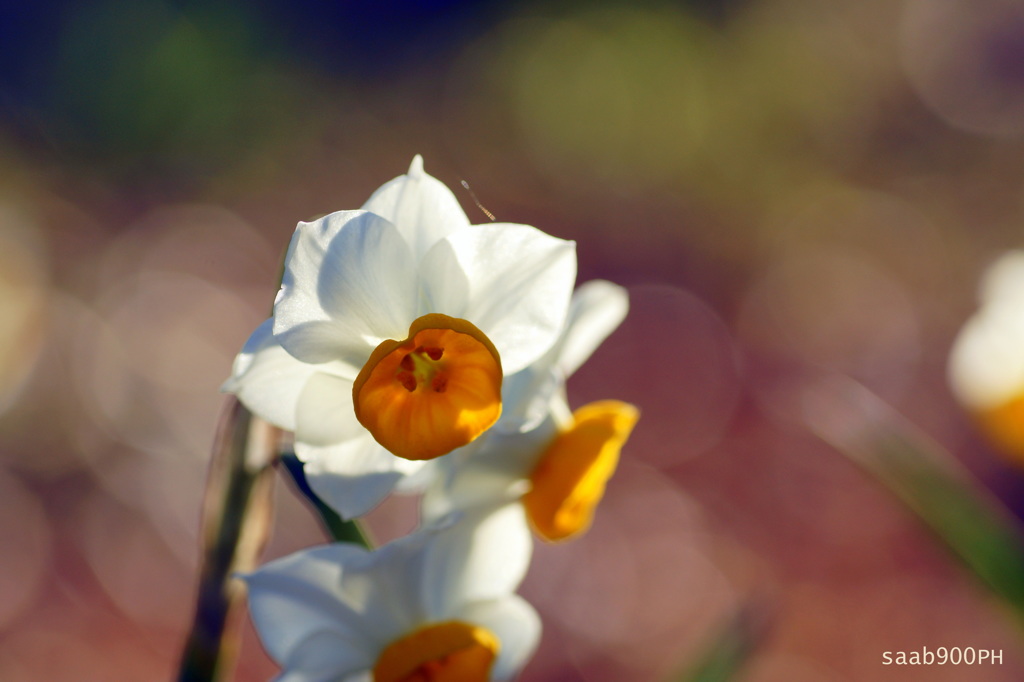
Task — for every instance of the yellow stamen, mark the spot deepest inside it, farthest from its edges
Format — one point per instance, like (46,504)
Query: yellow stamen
(1004,426)
(433,392)
(444,652)
(570,478)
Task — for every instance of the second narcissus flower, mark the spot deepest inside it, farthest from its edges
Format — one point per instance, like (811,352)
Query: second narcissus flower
(404,319)
(435,605)
(986,363)
(556,462)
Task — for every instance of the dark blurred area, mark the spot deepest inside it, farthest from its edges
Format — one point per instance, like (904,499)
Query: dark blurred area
(785,186)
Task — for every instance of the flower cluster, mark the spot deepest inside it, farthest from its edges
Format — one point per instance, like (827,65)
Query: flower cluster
(411,351)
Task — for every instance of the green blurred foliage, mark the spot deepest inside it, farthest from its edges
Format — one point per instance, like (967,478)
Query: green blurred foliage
(148,88)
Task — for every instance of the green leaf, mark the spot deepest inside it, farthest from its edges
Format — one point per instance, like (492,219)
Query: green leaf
(731,647)
(961,512)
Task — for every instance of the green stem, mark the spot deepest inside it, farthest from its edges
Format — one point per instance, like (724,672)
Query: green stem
(337,528)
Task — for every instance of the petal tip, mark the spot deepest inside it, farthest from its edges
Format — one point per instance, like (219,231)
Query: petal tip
(416,167)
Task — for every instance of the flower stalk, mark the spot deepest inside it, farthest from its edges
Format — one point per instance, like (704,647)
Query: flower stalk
(236,521)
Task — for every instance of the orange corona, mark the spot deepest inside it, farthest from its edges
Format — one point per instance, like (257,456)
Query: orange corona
(569,479)
(435,391)
(1004,426)
(452,651)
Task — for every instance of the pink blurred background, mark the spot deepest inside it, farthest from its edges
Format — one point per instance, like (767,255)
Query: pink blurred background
(781,185)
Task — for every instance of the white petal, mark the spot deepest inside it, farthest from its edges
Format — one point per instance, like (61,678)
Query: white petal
(1003,279)
(349,283)
(267,379)
(362,676)
(483,555)
(526,395)
(393,578)
(517,626)
(417,475)
(422,208)
(597,309)
(515,286)
(299,596)
(326,341)
(474,487)
(986,362)
(324,412)
(369,274)
(352,477)
(325,656)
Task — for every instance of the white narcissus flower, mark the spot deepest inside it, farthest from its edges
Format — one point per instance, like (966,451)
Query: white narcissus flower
(986,362)
(426,309)
(393,326)
(555,461)
(437,605)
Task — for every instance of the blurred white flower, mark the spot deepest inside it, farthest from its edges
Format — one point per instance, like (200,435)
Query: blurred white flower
(986,362)
(392,330)
(437,604)
(555,461)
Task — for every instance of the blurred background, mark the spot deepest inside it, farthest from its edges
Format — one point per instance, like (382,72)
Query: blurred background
(786,187)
